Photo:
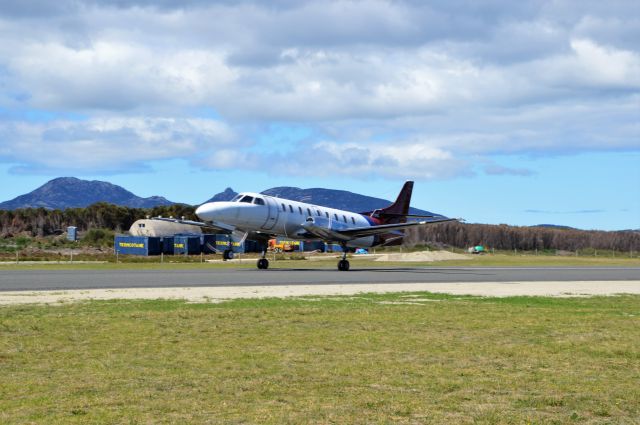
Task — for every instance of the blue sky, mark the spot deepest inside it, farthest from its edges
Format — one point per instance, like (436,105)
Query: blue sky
(502,112)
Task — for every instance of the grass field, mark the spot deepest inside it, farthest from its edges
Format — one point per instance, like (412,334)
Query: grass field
(329,262)
(401,358)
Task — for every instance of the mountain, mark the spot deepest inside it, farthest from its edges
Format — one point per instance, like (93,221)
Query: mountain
(340,199)
(555,226)
(70,192)
(226,195)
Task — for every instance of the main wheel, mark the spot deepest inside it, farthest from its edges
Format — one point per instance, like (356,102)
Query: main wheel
(227,254)
(343,265)
(263,263)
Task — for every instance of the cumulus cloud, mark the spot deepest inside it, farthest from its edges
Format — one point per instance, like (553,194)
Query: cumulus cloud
(446,81)
(109,144)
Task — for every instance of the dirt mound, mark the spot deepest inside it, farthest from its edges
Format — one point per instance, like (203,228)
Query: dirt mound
(421,256)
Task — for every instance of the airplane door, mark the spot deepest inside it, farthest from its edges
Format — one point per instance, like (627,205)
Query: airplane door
(272,215)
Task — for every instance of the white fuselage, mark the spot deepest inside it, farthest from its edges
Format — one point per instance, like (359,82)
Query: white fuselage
(253,212)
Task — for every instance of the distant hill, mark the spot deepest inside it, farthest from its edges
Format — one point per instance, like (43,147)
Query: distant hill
(340,199)
(554,226)
(71,192)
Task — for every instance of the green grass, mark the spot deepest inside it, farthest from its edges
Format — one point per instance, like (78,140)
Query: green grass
(396,358)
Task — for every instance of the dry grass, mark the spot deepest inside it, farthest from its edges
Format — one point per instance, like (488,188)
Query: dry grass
(330,261)
(418,358)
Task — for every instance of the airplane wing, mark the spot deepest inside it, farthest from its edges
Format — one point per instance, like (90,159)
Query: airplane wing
(348,234)
(217,226)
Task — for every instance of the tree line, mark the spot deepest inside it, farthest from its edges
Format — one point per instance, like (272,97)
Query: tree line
(39,222)
(505,237)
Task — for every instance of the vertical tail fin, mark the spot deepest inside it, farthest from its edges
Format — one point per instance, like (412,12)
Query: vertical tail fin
(395,212)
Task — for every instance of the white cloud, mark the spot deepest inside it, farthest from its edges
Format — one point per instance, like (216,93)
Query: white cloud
(109,144)
(448,81)
(115,76)
(398,159)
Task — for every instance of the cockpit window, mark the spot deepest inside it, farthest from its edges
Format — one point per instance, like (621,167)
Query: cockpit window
(258,201)
(248,199)
(236,198)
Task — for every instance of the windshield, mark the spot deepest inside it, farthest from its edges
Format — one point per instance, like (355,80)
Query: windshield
(247,199)
(235,198)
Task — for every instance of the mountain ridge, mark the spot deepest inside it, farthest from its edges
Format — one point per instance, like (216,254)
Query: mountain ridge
(71,192)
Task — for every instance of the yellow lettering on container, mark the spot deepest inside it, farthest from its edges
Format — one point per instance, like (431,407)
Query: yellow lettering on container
(131,245)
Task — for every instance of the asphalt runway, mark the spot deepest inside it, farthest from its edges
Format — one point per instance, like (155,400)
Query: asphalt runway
(37,280)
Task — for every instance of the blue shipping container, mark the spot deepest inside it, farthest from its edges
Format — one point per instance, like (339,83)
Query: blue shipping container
(187,245)
(208,242)
(309,246)
(137,245)
(252,246)
(167,244)
(222,243)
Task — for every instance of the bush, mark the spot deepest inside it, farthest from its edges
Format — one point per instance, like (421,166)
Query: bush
(98,237)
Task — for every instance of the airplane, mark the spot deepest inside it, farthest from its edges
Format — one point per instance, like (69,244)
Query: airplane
(265,217)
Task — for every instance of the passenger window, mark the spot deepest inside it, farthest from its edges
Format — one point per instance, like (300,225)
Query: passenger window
(344,217)
(300,209)
(327,214)
(258,201)
(284,209)
(309,211)
(290,209)
(247,199)
(318,213)
(336,216)
(353,220)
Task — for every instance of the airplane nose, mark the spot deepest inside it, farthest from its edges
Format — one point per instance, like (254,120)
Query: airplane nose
(216,211)
(199,210)
(206,211)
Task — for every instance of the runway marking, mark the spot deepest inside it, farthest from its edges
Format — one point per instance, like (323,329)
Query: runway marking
(222,293)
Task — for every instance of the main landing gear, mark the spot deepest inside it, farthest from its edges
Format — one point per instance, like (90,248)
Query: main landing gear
(343,265)
(263,263)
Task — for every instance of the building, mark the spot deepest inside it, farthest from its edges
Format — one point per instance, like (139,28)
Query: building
(159,228)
